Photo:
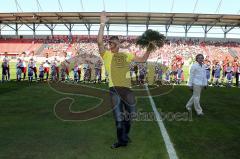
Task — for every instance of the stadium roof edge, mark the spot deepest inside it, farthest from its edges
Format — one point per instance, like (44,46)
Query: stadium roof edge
(141,18)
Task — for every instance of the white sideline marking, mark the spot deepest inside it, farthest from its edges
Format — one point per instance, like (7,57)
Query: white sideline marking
(169,146)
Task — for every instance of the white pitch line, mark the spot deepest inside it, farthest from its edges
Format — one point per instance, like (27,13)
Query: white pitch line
(169,146)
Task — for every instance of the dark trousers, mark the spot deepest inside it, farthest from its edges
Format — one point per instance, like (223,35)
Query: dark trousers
(35,73)
(5,73)
(123,102)
(8,73)
(237,78)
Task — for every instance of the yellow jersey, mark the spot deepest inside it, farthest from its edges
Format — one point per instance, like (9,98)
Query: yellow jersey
(117,67)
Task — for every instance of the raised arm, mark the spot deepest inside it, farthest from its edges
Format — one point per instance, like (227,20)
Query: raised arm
(143,58)
(100,33)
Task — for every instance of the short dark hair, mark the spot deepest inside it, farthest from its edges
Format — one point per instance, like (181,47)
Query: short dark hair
(198,56)
(114,38)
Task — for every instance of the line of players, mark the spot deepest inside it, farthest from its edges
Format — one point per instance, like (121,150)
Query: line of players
(162,74)
(52,68)
(218,71)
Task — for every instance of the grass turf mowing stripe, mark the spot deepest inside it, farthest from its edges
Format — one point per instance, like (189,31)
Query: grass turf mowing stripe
(169,146)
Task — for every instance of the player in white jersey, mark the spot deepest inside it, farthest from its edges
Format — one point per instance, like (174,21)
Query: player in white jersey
(5,68)
(158,72)
(30,71)
(46,66)
(24,65)
(19,69)
(41,72)
(57,64)
(66,58)
(63,72)
(142,73)
(131,69)
(168,76)
(207,66)
(98,71)
(34,61)
(229,75)
(53,71)
(75,73)
(86,72)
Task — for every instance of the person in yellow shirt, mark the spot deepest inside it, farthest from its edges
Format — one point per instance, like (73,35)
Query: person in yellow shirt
(122,98)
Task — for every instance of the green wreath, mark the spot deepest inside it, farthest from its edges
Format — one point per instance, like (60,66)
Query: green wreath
(151,40)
